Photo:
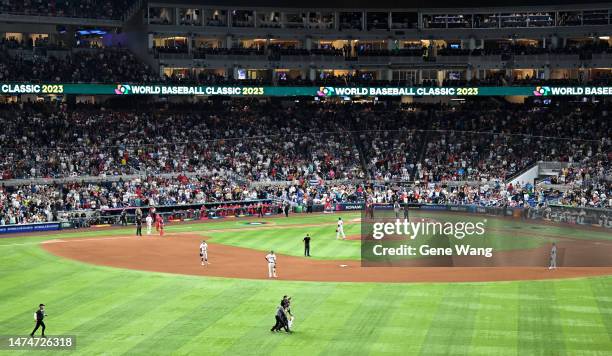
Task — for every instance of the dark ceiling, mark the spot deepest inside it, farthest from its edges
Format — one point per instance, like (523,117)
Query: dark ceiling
(381,4)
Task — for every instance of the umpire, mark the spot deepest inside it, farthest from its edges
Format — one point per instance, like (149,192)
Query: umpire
(138,225)
(307,246)
(39,316)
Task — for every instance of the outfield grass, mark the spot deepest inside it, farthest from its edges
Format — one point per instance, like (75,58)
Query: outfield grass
(114,311)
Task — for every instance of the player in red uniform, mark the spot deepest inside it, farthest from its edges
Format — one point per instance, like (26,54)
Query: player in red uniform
(159,224)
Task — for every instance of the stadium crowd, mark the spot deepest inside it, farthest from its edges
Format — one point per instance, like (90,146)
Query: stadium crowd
(81,66)
(97,9)
(210,152)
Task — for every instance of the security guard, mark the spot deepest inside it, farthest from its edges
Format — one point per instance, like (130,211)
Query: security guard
(39,315)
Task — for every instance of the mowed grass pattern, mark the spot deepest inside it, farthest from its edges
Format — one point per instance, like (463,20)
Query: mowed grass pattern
(124,312)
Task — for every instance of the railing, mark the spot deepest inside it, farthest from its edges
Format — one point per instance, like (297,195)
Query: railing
(401,182)
(65,20)
(191,211)
(553,165)
(559,187)
(520,172)
(113,178)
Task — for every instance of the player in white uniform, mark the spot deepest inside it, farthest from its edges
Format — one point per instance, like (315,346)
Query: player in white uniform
(340,229)
(149,220)
(204,253)
(271,259)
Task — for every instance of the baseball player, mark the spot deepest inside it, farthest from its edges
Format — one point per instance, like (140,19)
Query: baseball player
(286,304)
(553,257)
(149,220)
(159,221)
(340,229)
(204,252)
(396,209)
(271,259)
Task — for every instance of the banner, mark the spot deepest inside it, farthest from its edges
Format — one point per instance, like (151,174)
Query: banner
(349,206)
(321,92)
(13,229)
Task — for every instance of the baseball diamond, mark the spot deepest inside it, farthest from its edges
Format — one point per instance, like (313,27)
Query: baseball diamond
(207,177)
(158,289)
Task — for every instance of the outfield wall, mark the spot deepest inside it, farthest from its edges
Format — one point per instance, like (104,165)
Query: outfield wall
(25,228)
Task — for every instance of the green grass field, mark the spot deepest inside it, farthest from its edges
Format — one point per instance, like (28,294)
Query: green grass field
(125,312)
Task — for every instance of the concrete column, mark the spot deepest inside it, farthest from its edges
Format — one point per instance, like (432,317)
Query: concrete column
(336,20)
(468,73)
(440,77)
(312,74)
(150,41)
(546,72)
(308,43)
(176,16)
(554,41)
(433,49)
(389,74)
(390,46)
(543,42)
(364,21)
(229,39)
(472,43)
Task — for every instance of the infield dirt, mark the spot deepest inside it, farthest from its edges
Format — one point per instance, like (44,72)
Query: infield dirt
(179,253)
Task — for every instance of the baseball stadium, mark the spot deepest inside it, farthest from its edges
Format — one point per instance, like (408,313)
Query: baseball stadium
(205,177)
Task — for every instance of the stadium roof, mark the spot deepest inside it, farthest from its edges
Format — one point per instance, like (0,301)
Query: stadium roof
(381,4)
